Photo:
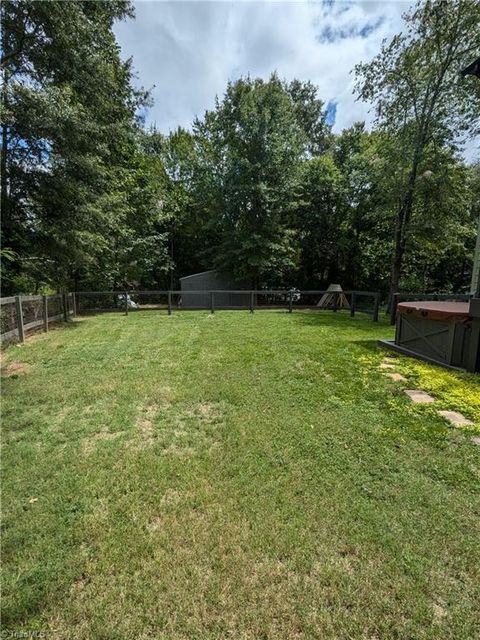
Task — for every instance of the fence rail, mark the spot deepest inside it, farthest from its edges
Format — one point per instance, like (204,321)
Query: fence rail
(22,314)
(216,299)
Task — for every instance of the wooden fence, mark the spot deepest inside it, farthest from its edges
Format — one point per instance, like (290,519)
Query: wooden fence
(20,315)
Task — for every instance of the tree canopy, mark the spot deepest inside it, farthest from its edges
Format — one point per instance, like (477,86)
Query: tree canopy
(259,187)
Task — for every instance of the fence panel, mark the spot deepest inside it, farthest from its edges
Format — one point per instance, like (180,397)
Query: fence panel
(96,301)
(307,299)
(19,314)
(22,314)
(232,300)
(170,301)
(191,300)
(32,309)
(272,299)
(8,319)
(147,300)
(55,308)
(367,302)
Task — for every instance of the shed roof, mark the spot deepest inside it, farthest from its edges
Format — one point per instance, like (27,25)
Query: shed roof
(201,273)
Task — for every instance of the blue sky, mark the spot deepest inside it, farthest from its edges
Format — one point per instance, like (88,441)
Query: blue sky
(187,51)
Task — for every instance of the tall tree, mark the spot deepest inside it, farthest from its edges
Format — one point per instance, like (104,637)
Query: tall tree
(311,115)
(320,210)
(420,98)
(67,133)
(252,144)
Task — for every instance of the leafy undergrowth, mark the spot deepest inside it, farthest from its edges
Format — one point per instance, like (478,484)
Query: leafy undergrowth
(245,476)
(449,388)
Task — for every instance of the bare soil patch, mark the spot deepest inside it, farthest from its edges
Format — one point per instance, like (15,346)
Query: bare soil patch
(15,369)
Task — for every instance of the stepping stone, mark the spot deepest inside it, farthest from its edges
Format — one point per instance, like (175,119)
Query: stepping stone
(396,376)
(419,396)
(476,440)
(455,418)
(387,365)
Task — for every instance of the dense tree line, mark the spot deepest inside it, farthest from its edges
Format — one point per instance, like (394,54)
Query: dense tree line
(259,187)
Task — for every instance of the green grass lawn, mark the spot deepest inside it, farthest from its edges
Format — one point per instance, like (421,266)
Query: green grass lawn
(235,476)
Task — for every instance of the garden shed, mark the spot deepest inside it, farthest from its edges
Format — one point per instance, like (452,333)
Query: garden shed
(228,291)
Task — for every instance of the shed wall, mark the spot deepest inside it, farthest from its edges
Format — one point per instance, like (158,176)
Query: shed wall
(203,283)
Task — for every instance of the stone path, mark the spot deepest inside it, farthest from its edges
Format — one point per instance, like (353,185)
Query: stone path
(455,418)
(397,377)
(419,396)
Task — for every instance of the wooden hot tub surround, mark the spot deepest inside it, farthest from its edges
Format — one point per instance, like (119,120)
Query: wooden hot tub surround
(446,333)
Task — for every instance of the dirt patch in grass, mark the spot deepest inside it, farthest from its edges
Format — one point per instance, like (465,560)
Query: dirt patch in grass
(145,421)
(183,431)
(178,451)
(63,413)
(208,413)
(80,583)
(439,612)
(155,523)
(90,443)
(173,497)
(15,368)
(144,426)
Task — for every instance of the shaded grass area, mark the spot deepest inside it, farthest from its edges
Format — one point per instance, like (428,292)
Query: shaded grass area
(245,476)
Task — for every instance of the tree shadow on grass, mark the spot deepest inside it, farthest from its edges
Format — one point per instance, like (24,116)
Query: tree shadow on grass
(369,345)
(341,319)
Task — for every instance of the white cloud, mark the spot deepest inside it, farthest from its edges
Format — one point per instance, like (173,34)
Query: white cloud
(187,51)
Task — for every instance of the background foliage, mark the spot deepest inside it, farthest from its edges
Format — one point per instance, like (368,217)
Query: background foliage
(260,187)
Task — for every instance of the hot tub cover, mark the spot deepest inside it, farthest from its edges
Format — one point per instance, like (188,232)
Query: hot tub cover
(434,310)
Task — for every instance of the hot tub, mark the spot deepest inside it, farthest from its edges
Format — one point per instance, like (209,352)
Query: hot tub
(446,333)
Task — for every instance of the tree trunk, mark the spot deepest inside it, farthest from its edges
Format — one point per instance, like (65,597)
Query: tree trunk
(3,155)
(76,280)
(397,260)
(3,173)
(172,268)
(401,226)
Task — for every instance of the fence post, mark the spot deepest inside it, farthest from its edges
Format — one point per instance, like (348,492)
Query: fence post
(169,303)
(376,305)
(352,304)
(18,306)
(45,314)
(74,305)
(125,293)
(290,301)
(393,308)
(252,301)
(212,302)
(65,306)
